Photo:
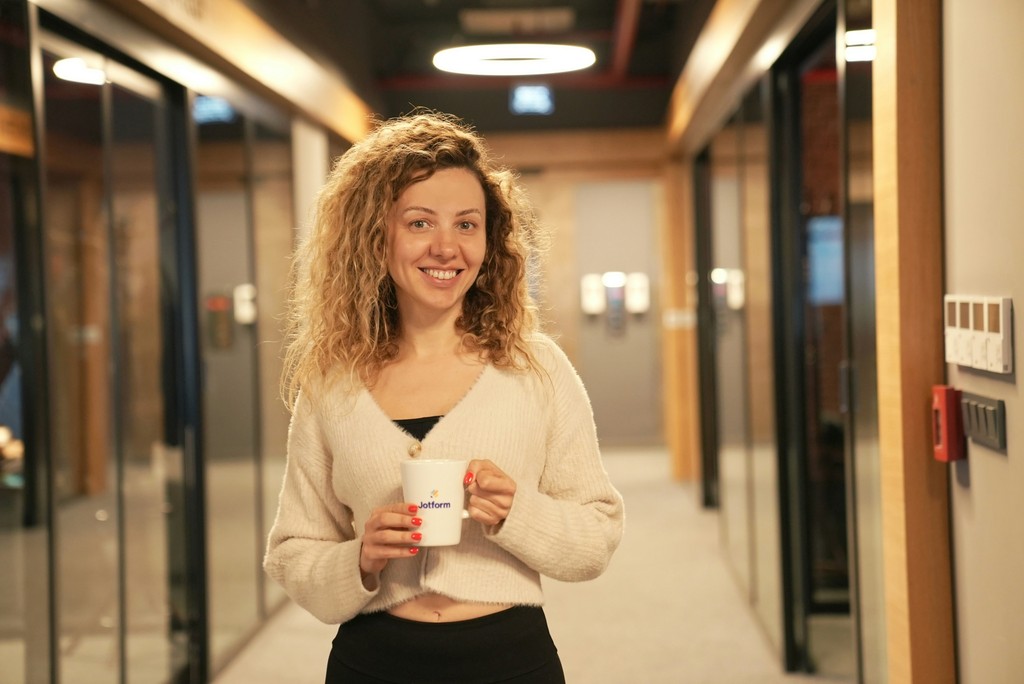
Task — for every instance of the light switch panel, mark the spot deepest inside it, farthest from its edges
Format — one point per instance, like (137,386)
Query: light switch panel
(979,332)
(984,420)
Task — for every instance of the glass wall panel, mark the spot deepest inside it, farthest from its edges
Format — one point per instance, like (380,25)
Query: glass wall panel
(79,272)
(812,315)
(245,233)
(766,590)
(863,453)
(24,561)
(740,277)
(227,293)
(824,303)
(729,295)
(107,255)
(105,339)
(147,464)
(274,233)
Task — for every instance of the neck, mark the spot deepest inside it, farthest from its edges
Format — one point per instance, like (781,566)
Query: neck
(430,337)
(426,344)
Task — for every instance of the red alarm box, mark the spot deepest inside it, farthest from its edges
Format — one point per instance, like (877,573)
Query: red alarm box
(947,424)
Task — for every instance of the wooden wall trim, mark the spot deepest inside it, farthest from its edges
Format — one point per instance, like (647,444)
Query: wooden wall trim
(679,331)
(629,148)
(909,286)
(232,39)
(739,43)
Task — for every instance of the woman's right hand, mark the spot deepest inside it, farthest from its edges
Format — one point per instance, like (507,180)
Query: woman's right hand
(390,532)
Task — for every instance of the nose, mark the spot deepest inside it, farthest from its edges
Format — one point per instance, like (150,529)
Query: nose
(443,245)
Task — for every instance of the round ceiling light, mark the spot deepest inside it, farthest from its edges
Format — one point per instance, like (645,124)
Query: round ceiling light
(514,59)
(75,69)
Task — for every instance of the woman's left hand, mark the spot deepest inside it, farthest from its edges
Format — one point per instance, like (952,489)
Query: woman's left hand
(490,492)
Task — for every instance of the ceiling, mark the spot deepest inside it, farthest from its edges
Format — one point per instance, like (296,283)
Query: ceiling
(384,49)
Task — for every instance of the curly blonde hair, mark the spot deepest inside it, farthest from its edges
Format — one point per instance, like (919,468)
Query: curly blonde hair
(343,315)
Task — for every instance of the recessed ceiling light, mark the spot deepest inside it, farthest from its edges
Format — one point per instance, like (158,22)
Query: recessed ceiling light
(75,69)
(514,59)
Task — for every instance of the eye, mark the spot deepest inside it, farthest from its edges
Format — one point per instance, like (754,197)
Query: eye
(467,226)
(419,224)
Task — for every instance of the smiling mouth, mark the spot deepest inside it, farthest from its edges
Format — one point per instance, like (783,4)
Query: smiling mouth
(441,274)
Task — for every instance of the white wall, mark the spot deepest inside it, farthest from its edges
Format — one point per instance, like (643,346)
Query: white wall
(984,166)
(310,165)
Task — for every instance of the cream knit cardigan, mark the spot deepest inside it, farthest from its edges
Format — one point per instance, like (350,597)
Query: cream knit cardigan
(343,461)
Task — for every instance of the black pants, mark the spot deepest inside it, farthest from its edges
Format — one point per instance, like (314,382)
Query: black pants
(512,646)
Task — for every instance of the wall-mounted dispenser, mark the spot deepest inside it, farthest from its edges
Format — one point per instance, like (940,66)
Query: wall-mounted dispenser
(245,304)
(593,301)
(638,293)
(615,294)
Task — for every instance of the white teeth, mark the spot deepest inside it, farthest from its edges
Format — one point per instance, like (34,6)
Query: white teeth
(440,275)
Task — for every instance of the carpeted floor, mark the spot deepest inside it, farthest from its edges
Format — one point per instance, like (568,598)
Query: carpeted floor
(667,610)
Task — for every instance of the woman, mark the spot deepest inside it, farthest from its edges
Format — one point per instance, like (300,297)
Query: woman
(412,335)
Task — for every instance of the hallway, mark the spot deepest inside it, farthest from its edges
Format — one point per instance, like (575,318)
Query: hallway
(667,610)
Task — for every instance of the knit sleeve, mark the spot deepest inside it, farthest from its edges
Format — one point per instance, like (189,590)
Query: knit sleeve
(571,525)
(313,550)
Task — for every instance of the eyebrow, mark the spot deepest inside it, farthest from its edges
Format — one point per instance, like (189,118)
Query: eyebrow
(428,210)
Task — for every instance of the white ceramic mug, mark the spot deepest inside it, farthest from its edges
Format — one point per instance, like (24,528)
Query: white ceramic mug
(436,486)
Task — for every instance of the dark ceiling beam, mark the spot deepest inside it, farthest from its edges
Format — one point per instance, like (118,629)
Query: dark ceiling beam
(627,19)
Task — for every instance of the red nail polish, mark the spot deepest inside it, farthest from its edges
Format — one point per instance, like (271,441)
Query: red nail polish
(413,508)
(417,521)
(468,479)
(414,550)
(417,536)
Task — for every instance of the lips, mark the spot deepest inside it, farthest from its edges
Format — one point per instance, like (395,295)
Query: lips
(441,274)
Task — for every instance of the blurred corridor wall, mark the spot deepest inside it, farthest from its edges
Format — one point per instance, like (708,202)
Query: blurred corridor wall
(616,227)
(600,195)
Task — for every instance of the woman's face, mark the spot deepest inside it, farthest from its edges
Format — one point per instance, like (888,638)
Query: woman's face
(437,238)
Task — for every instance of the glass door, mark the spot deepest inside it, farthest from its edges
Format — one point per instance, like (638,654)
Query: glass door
(231,434)
(244,234)
(117,469)
(25,625)
(729,307)
(863,466)
(735,232)
(813,319)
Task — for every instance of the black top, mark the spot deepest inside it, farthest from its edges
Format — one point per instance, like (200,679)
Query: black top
(418,427)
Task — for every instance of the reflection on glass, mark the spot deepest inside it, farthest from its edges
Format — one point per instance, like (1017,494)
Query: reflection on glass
(830,633)
(244,232)
(272,228)
(230,384)
(728,292)
(866,470)
(146,462)
(78,287)
(24,595)
(766,593)
(106,356)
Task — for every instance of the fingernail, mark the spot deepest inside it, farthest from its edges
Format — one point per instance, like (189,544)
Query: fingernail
(468,479)
(417,521)
(413,550)
(416,536)
(413,508)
